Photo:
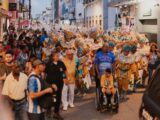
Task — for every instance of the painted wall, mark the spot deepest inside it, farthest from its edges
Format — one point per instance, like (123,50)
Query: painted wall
(5,4)
(94,13)
(79,11)
(148,10)
(112,18)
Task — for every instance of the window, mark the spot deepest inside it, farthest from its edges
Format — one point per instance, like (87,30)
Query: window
(100,22)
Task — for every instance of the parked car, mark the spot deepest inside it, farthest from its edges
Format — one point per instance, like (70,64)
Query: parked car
(150,108)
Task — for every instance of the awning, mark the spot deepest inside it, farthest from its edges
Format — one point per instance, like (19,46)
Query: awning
(5,12)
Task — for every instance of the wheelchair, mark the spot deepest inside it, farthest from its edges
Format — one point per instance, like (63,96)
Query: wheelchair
(112,105)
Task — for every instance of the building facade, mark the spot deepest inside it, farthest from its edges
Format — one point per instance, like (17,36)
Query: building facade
(99,13)
(148,19)
(5,15)
(139,15)
(125,13)
(79,12)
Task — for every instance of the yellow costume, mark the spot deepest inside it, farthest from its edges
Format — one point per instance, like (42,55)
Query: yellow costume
(71,70)
(123,72)
(107,83)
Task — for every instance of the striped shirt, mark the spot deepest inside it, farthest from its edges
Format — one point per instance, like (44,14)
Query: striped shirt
(34,85)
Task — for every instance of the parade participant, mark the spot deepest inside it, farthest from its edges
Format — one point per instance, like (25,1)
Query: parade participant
(107,85)
(69,83)
(6,67)
(35,112)
(123,72)
(14,88)
(55,71)
(103,60)
(135,65)
(152,59)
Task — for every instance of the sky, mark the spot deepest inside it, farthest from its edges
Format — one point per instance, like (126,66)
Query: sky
(39,5)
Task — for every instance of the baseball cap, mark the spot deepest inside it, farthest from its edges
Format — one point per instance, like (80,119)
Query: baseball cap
(37,62)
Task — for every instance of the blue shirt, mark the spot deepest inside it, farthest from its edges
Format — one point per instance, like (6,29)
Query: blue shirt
(42,38)
(34,85)
(104,61)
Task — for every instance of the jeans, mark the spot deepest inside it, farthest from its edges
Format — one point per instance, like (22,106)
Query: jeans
(19,109)
(34,116)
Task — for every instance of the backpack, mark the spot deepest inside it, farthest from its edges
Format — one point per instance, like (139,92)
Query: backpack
(46,101)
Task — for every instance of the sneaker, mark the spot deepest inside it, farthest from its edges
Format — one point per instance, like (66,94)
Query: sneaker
(57,116)
(84,94)
(65,108)
(71,105)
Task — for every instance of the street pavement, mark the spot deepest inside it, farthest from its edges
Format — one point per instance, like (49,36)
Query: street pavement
(85,109)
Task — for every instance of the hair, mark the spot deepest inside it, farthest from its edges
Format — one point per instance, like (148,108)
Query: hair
(152,46)
(10,52)
(108,71)
(54,53)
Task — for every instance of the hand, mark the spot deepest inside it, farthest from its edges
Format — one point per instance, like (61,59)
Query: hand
(3,77)
(54,87)
(48,90)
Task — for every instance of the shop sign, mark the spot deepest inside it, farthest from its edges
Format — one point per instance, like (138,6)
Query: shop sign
(147,13)
(12,6)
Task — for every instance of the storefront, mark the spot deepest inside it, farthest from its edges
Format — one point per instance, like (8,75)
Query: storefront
(4,20)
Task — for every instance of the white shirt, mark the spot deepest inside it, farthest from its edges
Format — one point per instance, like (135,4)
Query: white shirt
(15,89)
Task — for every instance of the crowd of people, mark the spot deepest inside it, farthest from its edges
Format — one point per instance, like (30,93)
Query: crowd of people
(34,63)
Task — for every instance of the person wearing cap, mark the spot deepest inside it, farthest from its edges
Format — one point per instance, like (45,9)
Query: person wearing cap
(123,70)
(69,84)
(35,112)
(14,90)
(6,67)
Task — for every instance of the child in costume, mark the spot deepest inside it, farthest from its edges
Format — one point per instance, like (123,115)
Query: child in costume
(107,86)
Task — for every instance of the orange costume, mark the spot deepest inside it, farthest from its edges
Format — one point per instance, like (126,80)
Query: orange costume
(107,83)
(124,71)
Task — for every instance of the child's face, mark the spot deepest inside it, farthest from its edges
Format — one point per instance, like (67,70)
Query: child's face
(107,74)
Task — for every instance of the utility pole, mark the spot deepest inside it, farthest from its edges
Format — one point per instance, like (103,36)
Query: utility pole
(30,9)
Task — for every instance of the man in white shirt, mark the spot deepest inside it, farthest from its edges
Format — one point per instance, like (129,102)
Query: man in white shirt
(14,89)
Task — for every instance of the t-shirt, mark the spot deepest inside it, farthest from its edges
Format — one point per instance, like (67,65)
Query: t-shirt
(34,85)
(104,61)
(55,73)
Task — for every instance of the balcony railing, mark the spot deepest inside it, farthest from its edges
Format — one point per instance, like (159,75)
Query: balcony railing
(121,2)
